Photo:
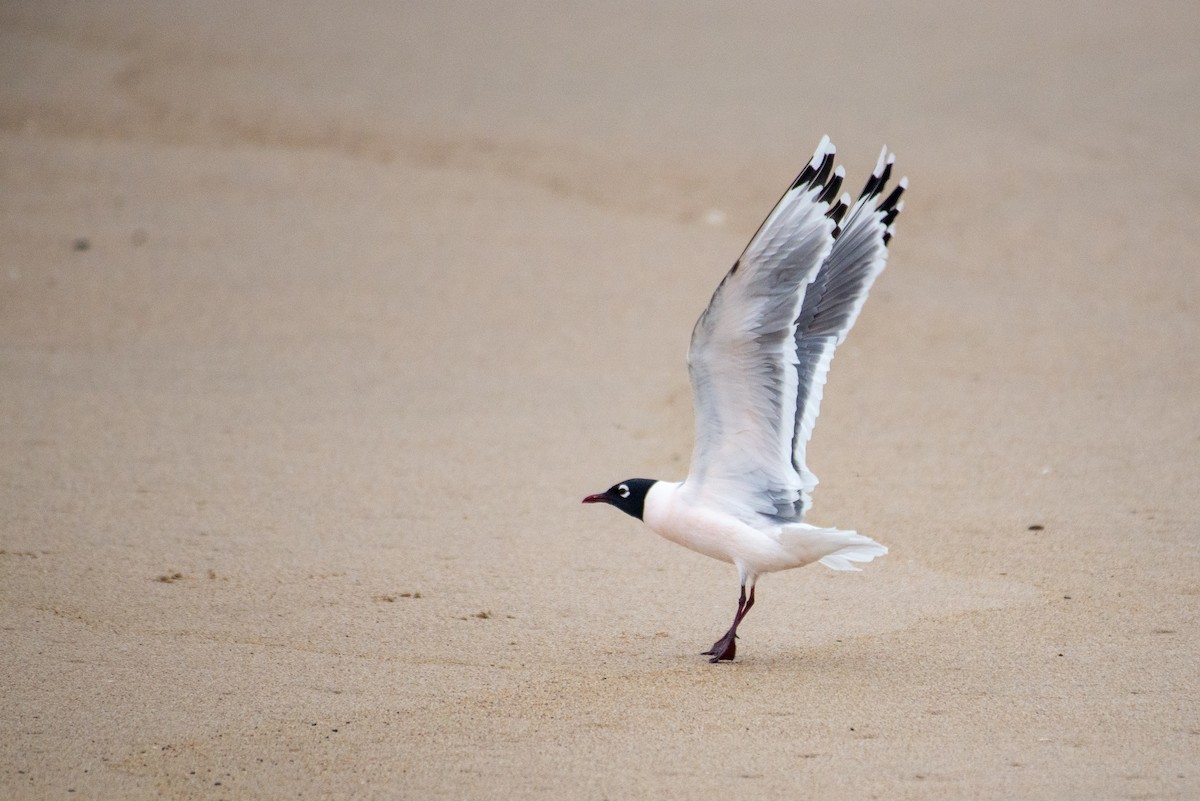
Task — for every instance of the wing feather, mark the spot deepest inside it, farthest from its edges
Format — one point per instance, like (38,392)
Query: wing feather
(760,352)
(742,359)
(833,302)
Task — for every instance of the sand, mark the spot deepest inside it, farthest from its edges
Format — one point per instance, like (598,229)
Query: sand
(317,323)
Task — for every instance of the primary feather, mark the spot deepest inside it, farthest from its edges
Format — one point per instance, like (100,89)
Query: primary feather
(760,352)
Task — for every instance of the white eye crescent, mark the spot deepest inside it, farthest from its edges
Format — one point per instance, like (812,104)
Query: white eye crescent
(623,490)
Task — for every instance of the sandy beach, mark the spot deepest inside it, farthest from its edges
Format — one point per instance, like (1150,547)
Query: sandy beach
(316,325)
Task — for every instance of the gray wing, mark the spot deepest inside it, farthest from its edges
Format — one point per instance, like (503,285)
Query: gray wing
(743,356)
(832,303)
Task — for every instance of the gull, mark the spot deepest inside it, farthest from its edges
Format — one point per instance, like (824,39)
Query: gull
(758,359)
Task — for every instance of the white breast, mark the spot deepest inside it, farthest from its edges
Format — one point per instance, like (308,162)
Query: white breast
(711,532)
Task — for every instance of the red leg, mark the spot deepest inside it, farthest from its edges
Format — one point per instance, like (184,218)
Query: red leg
(725,648)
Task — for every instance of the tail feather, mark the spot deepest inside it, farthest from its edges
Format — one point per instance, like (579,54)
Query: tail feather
(831,547)
(857,549)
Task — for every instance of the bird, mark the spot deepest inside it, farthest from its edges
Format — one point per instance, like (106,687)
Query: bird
(757,361)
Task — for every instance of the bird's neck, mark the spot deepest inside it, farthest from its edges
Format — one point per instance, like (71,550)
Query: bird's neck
(659,502)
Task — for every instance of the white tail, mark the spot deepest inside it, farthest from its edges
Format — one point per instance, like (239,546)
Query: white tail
(857,549)
(835,549)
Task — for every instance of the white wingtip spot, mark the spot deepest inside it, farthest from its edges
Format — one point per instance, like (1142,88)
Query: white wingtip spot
(879,162)
(904,182)
(825,148)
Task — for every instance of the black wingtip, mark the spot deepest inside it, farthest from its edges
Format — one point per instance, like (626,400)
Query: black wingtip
(837,213)
(884,176)
(871,188)
(889,203)
(815,173)
(879,176)
(824,170)
(891,207)
(804,177)
(832,188)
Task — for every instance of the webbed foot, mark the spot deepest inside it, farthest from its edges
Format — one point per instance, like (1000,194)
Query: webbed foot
(723,650)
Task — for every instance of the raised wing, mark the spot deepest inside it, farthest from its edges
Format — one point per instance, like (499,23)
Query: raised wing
(743,355)
(761,350)
(833,301)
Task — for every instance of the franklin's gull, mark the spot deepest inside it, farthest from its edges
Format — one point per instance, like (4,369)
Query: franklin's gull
(758,359)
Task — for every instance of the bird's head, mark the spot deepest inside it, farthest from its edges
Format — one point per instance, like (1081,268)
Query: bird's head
(629,496)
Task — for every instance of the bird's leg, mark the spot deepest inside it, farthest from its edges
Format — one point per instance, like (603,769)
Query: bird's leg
(725,648)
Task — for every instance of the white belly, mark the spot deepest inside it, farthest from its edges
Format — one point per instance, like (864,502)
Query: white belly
(754,549)
(714,533)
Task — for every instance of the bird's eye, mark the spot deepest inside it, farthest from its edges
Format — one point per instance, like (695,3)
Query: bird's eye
(623,490)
